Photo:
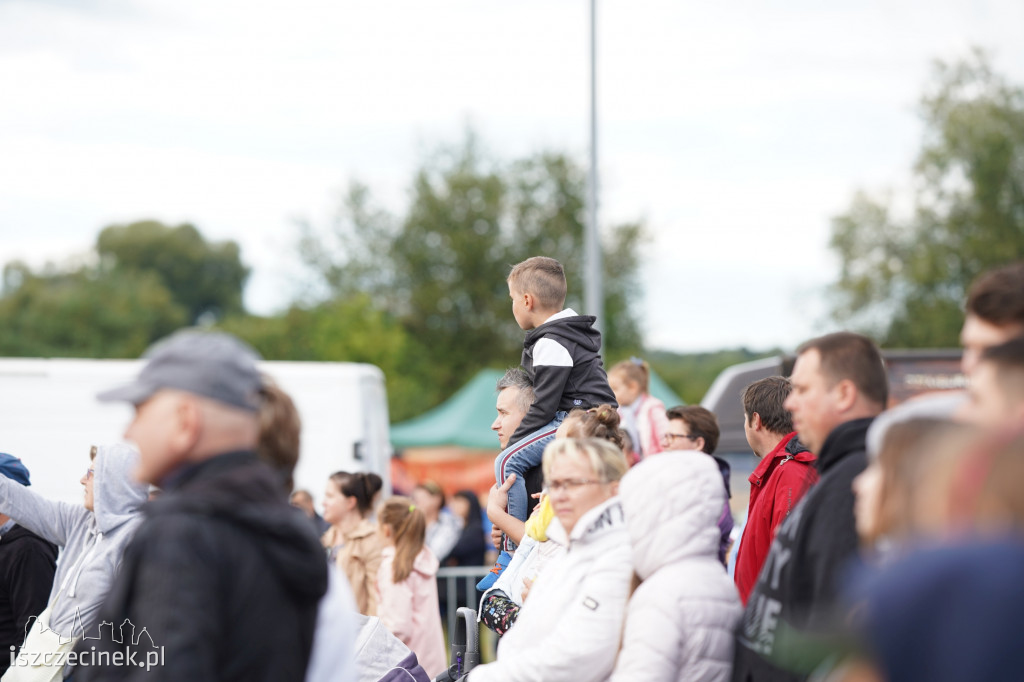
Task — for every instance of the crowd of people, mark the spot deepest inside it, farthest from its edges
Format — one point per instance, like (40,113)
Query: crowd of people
(881,542)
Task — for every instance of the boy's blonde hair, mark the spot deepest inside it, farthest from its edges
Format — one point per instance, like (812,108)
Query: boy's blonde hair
(542,277)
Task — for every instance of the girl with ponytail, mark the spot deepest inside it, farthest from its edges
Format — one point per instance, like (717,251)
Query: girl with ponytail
(407,584)
(352,541)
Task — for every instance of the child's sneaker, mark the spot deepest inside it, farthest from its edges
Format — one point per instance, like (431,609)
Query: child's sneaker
(487,582)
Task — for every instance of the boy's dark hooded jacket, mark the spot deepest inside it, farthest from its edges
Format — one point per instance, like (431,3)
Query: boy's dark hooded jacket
(563,358)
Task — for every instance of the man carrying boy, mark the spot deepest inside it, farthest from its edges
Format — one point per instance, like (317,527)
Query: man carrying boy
(561,354)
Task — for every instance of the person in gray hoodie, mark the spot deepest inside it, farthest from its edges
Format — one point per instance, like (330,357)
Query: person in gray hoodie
(92,537)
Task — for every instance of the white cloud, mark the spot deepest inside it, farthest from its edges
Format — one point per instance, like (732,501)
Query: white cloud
(736,130)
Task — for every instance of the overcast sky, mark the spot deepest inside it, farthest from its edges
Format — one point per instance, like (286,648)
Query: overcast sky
(734,130)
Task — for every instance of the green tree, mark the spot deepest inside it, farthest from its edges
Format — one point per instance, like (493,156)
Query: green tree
(341,330)
(904,281)
(440,269)
(81,314)
(206,278)
(149,280)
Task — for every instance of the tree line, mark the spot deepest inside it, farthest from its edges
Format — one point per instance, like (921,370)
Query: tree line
(422,293)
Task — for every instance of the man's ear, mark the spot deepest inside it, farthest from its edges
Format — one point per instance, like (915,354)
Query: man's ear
(698,444)
(755,422)
(188,425)
(846,394)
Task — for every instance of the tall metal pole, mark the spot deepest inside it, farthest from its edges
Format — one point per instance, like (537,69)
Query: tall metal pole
(593,296)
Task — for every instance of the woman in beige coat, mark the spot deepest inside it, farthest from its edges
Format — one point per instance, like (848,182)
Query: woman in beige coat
(352,541)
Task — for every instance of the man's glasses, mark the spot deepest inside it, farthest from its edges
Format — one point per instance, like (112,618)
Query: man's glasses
(568,484)
(89,472)
(670,437)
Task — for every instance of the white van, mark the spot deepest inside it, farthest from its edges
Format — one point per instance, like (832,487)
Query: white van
(49,417)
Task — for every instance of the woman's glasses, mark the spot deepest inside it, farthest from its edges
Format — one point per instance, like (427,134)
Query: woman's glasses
(568,484)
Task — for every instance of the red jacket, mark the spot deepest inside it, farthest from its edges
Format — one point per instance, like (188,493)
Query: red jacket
(777,484)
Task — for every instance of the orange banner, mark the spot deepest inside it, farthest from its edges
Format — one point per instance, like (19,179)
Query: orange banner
(453,469)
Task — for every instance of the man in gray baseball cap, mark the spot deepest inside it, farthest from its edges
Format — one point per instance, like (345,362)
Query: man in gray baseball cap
(211,364)
(197,396)
(221,541)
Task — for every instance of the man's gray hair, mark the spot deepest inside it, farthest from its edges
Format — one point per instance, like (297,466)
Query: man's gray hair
(516,377)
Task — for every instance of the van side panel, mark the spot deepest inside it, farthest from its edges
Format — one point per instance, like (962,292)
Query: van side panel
(49,417)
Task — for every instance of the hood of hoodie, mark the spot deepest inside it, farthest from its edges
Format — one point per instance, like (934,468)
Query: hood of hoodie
(243,491)
(95,541)
(789,447)
(116,494)
(578,329)
(795,447)
(672,504)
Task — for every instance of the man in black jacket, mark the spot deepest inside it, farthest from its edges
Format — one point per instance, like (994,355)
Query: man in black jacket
(27,566)
(839,386)
(223,574)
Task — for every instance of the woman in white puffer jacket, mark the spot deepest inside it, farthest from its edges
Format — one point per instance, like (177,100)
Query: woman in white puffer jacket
(571,622)
(680,620)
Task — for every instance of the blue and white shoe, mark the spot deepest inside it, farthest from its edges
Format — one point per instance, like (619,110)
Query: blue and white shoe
(487,582)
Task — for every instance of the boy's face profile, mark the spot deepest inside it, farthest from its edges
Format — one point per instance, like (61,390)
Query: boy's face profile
(522,308)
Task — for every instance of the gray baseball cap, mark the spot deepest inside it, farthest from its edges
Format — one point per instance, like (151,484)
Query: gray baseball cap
(214,365)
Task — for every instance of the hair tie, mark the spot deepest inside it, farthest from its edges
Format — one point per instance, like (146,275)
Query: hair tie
(636,361)
(412,508)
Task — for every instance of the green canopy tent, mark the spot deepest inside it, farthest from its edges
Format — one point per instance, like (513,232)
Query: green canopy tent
(465,419)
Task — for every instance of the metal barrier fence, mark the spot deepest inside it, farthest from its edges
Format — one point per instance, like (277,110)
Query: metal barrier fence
(449,580)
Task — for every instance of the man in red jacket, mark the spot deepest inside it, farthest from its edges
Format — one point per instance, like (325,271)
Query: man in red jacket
(779,481)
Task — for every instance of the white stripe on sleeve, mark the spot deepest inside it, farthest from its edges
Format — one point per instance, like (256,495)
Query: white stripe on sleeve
(550,353)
